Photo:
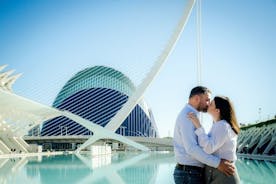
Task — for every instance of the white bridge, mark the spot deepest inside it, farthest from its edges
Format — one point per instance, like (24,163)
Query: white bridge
(154,144)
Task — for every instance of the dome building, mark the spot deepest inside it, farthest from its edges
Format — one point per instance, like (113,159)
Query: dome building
(97,94)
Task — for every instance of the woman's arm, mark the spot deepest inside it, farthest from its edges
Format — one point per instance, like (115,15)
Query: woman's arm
(194,120)
(216,138)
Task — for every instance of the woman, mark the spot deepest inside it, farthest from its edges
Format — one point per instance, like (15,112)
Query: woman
(222,139)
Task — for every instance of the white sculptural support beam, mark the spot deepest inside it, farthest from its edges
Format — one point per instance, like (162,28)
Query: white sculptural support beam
(2,67)
(4,76)
(118,119)
(10,81)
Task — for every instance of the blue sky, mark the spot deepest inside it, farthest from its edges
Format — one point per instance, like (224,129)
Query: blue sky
(50,41)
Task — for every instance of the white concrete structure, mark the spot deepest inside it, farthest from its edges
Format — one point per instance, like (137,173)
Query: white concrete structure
(258,139)
(10,142)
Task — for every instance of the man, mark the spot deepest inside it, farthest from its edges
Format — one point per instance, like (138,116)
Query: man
(189,156)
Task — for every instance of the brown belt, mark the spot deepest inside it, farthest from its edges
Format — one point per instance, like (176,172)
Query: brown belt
(188,167)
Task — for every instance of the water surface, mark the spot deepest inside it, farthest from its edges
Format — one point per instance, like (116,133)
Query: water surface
(134,168)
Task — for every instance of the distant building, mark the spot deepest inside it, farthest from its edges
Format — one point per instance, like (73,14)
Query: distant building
(97,94)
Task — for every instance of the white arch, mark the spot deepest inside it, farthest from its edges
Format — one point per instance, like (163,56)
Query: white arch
(118,119)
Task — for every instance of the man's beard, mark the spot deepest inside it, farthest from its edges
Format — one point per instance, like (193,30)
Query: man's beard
(203,109)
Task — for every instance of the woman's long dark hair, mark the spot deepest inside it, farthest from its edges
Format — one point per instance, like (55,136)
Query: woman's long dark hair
(227,112)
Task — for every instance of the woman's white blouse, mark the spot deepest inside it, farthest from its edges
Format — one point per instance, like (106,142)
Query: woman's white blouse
(221,140)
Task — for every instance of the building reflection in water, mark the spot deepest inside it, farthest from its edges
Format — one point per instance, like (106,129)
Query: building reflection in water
(256,171)
(128,168)
(116,168)
(9,168)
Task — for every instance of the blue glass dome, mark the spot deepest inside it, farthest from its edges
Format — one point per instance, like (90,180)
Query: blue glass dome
(97,94)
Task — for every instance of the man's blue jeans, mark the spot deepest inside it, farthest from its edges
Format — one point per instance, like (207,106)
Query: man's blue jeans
(188,176)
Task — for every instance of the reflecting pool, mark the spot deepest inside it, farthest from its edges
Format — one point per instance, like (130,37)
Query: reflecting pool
(134,168)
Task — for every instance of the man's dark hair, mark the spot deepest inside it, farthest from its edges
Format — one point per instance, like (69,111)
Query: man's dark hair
(199,90)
